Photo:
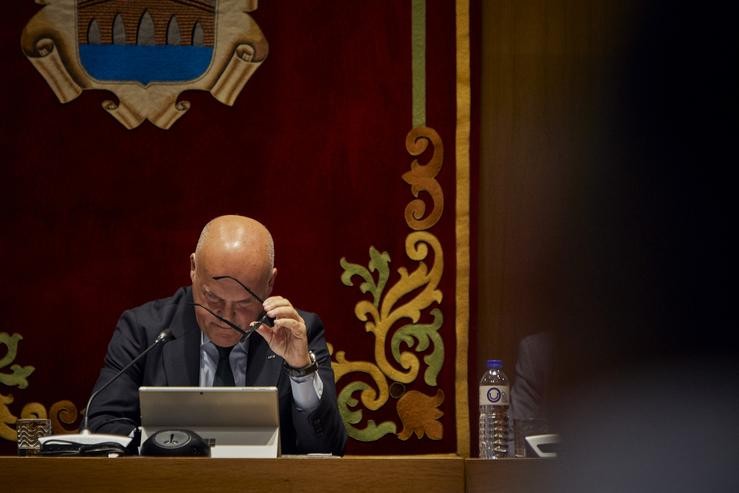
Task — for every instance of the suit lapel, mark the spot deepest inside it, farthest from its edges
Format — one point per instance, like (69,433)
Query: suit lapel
(263,367)
(182,355)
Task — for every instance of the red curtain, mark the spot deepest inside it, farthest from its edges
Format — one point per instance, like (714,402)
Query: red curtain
(99,218)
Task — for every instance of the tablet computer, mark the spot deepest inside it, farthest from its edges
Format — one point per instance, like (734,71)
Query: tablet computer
(234,421)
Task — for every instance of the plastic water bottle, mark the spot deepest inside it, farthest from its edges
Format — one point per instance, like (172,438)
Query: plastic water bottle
(494,400)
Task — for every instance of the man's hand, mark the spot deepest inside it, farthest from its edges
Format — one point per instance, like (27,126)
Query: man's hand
(289,336)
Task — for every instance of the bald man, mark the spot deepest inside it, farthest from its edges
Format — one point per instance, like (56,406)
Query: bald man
(232,272)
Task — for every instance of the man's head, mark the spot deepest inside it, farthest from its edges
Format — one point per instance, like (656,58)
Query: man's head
(239,247)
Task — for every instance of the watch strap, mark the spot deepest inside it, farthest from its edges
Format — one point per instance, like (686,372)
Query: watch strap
(311,368)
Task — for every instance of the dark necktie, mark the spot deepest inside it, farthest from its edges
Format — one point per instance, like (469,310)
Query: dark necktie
(224,376)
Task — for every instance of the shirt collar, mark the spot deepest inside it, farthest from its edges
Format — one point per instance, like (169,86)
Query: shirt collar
(207,345)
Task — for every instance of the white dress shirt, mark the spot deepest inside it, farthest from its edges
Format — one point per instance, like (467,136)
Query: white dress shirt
(306,391)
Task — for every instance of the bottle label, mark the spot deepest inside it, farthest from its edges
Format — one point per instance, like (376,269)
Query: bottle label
(496,395)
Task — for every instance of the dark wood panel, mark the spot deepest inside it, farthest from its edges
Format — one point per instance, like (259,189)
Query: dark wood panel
(542,73)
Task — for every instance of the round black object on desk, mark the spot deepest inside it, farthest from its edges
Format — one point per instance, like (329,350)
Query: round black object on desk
(175,443)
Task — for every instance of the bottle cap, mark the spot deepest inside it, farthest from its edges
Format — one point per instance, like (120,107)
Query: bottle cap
(495,364)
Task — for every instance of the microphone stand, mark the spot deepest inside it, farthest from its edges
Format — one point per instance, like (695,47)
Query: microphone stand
(85,437)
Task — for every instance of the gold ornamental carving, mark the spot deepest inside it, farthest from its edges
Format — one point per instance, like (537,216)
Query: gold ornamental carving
(61,413)
(402,316)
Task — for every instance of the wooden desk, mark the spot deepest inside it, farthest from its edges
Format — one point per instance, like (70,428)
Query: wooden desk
(508,475)
(384,474)
(404,474)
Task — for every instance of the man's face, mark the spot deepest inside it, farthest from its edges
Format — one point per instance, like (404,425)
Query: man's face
(229,300)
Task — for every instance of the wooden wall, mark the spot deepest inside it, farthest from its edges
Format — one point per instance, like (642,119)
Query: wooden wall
(603,183)
(537,56)
(543,64)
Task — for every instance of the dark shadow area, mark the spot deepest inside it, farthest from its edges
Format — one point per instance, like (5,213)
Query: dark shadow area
(645,355)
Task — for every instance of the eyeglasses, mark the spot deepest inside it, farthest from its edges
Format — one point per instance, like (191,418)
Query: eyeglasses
(244,333)
(263,318)
(246,288)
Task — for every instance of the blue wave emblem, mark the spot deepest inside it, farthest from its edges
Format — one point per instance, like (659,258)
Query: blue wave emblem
(145,64)
(146,41)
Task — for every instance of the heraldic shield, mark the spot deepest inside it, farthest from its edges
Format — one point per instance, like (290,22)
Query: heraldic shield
(146,52)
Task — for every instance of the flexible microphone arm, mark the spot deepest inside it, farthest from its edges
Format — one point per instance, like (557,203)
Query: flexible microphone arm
(164,336)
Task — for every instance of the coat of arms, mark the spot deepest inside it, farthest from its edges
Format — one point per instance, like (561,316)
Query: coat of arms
(146,52)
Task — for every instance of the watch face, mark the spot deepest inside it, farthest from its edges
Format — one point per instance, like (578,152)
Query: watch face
(171,439)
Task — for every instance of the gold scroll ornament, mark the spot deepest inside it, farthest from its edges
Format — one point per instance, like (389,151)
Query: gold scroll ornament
(49,41)
(393,317)
(61,413)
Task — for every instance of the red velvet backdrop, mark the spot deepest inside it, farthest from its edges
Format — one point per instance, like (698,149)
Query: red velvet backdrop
(99,218)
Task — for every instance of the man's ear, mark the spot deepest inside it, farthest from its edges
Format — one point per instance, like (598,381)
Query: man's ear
(271,282)
(192,267)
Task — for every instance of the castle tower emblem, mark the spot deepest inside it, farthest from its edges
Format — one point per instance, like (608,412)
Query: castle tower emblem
(146,52)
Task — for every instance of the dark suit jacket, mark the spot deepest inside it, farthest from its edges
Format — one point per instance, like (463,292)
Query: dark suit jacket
(530,391)
(177,363)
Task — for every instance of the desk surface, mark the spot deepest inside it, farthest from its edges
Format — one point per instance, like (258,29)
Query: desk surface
(508,475)
(385,474)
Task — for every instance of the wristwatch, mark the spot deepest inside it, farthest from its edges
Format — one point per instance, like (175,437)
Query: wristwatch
(306,370)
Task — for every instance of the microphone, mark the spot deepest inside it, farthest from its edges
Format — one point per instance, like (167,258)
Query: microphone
(85,438)
(164,336)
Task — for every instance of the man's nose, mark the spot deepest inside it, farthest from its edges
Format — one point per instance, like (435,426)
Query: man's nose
(228,310)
